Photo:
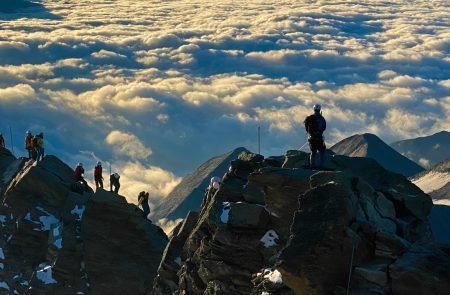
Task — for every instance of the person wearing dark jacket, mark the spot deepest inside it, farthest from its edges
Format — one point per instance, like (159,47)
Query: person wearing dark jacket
(315,125)
(98,177)
(39,146)
(79,175)
(114,181)
(143,202)
(29,144)
(2,141)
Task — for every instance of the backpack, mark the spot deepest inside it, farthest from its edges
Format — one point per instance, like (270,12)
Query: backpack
(315,125)
(34,142)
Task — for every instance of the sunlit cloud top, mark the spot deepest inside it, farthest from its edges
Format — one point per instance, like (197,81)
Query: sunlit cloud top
(162,86)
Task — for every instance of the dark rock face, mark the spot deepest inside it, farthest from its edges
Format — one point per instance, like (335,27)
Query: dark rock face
(422,270)
(188,195)
(166,281)
(288,230)
(55,241)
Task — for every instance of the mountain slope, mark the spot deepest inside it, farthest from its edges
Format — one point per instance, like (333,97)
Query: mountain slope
(427,150)
(286,231)
(188,194)
(56,241)
(436,181)
(369,145)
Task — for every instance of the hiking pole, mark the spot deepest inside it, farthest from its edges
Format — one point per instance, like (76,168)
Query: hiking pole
(12,144)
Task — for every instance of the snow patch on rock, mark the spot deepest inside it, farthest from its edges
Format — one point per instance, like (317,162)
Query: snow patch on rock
(47,222)
(178,261)
(274,276)
(2,220)
(4,285)
(78,211)
(44,274)
(269,239)
(225,212)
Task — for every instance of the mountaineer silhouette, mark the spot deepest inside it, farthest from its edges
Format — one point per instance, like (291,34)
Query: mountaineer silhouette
(315,125)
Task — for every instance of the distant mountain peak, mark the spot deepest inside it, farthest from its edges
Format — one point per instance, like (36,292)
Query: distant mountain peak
(371,146)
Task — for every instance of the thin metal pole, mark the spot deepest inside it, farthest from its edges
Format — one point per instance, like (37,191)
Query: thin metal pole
(110,176)
(12,144)
(259,139)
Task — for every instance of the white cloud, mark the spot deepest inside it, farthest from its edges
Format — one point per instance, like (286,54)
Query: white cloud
(143,77)
(137,177)
(127,144)
(424,163)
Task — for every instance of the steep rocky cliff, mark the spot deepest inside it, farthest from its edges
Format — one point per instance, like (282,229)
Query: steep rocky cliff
(55,241)
(274,227)
(188,194)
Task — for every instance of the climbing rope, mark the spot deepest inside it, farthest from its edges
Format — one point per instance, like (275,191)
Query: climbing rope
(303,146)
(351,266)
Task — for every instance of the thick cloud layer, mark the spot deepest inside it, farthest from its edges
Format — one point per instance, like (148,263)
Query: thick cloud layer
(156,87)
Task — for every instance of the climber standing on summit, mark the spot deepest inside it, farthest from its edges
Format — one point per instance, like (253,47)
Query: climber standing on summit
(315,125)
(98,177)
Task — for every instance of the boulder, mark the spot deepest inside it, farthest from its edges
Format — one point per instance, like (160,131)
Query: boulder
(274,161)
(244,215)
(296,159)
(407,197)
(319,248)
(253,194)
(282,188)
(166,282)
(424,269)
(122,250)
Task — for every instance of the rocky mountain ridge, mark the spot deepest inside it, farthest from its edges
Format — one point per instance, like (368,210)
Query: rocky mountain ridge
(57,241)
(274,227)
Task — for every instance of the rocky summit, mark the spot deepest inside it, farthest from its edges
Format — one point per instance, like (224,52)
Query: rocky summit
(272,227)
(57,241)
(275,227)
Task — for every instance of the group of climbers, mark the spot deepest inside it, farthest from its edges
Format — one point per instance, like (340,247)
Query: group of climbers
(98,177)
(34,146)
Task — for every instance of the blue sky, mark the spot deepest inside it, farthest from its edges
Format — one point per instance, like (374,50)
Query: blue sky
(158,87)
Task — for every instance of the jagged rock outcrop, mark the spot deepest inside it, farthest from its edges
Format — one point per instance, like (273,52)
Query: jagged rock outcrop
(55,241)
(188,194)
(287,230)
